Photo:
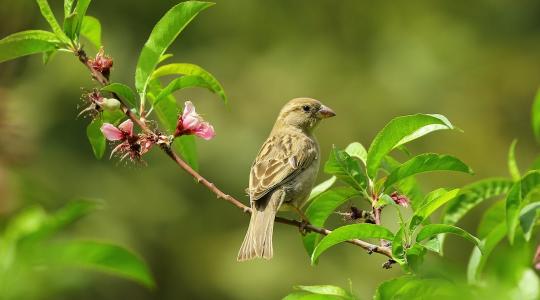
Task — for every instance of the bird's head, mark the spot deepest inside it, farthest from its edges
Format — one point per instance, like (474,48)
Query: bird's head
(303,113)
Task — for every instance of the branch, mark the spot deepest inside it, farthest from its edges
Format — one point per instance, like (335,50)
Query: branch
(83,58)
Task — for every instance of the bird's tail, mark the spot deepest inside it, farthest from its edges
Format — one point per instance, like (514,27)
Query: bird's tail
(258,240)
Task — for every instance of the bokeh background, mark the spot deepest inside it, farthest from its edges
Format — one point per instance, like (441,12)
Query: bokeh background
(474,61)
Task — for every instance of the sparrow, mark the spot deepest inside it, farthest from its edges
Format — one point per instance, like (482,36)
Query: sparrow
(283,172)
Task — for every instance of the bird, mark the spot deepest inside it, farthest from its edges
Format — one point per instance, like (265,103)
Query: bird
(283,173)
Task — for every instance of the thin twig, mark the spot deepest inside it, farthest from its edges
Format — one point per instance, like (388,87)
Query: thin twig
(83,58)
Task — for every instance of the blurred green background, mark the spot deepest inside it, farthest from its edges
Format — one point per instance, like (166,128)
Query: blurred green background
(473,61)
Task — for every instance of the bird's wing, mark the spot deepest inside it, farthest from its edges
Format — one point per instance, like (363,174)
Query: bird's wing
(281,157)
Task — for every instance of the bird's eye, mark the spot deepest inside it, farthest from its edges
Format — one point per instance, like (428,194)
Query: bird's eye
(306,108)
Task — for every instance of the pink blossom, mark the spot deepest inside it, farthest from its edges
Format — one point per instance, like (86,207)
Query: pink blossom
(192,123)
(131,145)
(101,63)
(401,200)
(94,102)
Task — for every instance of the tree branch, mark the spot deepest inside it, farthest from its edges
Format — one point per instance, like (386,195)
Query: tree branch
(83,58)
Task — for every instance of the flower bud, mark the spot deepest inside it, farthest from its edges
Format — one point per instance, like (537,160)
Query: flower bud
(110,104)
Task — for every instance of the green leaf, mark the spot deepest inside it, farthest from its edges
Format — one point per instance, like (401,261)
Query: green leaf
(310,296)
(122,90)
(47,13)
(91,29)
(415,258)
(187,146)
(96,138)
(492,217)
(348,232)
(68,6)
(516,199)
(357,150)
(164,33)
(528,216)
(103,257)
(345,168)
(164,57)
(47,56)
(400,131)
(321,188)
(535,118)
(67,215)
(512,164)
(426,162)
(321,208)
(182,83)
(325,290)
(69,26)
(473,194)
(388,289)
(430,206)
(26,43)
(398,250)
(528,287)
(408,186)
(195,76)
(478,259)
(433,230)
(80,11)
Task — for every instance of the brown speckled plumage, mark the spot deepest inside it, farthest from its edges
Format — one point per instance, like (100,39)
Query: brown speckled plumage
(283,172)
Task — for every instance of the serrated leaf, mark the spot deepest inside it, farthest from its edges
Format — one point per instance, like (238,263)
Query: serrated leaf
(512,164)
(415,258)
(433,230)
(47,13)
(26,43)
(528,217)
(473,194)
(427,162)
(478,259)
(430,206)
(47,56)
(321,208)
(399,131)
(193,76)
(163,34)
(91,29)
(516,199)
(96,138)
(348,232)
(398,251)
(100,256)
(122,90)
(345,168)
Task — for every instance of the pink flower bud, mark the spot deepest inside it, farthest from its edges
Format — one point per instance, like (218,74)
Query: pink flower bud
(536,260)
(192,123)
(401,200)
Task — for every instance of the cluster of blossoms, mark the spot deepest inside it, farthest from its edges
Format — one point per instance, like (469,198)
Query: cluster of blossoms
(102,63)
(401,200)
(96,104)
(135,146)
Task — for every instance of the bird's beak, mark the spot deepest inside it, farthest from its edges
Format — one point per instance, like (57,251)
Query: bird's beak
(325,112)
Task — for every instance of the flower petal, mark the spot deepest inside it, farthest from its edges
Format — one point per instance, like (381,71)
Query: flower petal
(126,127)
(189,109)
(205,131)
(111,133)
